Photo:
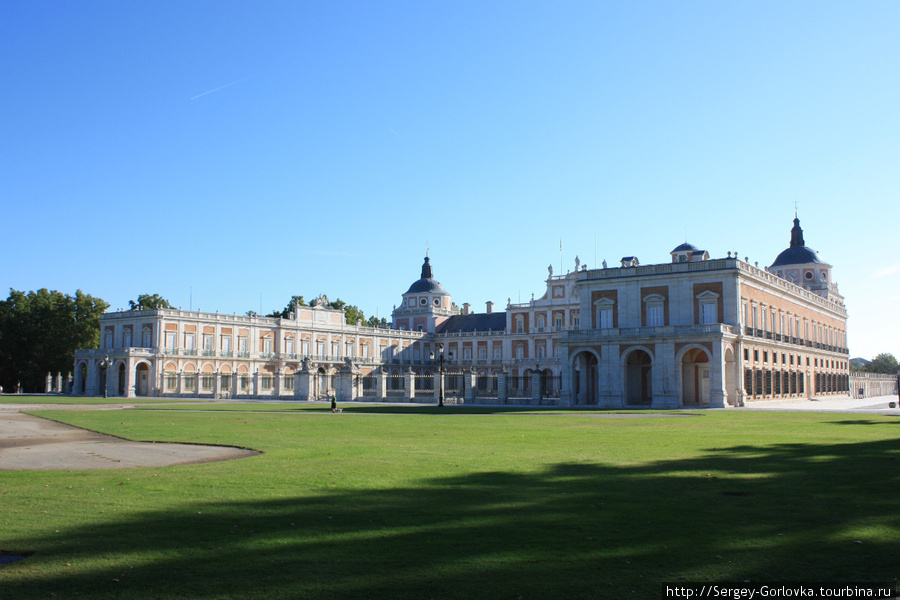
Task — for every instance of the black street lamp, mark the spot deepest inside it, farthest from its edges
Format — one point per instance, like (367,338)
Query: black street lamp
(440,357)
(104,366)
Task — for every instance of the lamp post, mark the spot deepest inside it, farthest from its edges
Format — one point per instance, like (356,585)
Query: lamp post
(440,357)
(104,367)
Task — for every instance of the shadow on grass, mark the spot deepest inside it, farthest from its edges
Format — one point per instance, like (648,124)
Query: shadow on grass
(794,512)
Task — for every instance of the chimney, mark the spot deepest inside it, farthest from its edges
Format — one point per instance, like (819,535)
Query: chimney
(490,306)
(467,308)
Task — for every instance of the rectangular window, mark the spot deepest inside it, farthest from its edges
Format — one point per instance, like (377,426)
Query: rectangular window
(147,341)
(207,380)
(708,313)
(289,382)
(520,352)
(498,353)
(207,341)
(482,353)
(655,315)
(171,382)
(170,340)
(289,346)
(189,341)
(467,354)
(606,318)
(242,344)
(265,382)
(126,339)
(190,381)
(557,323)
(267,346)
(225,343)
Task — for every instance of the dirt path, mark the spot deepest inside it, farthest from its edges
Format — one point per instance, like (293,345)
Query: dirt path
(29,443)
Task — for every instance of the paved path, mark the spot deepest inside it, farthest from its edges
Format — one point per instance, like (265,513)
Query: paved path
(878,405)
(29,443)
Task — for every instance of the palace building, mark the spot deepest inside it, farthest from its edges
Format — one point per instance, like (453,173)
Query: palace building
(692,331)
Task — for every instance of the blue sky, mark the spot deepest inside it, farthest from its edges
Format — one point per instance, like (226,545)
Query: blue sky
(227,155)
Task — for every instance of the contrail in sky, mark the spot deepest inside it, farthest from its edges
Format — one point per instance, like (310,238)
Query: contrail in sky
(219,88)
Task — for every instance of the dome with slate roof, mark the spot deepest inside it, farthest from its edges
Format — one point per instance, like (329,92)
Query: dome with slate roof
(427,284)
(686,247)
(798,253)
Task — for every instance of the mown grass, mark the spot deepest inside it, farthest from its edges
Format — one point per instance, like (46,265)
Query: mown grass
(458,505)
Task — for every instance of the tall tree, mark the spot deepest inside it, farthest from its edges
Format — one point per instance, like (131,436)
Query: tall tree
(883,363)
(40,331)
(148,301)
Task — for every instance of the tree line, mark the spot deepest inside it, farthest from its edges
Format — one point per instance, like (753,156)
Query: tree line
(883,363)
(40,331)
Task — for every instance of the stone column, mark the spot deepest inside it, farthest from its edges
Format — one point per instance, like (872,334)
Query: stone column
(297,385)
(381,382)
(48,384)
(409,381)
(235,382)
(59,384)
(179,389)
(278,375)
(717,393)
(345,383)
(256,384)
(198,377)
(536,387)
(469,385)
(665,392)
(216,385)
(502,386)
(129,379)
(565,382)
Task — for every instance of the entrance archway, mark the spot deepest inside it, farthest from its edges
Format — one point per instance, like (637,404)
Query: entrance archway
(120,378)
(695,378)
(584,378)
(638,378)
(731,390)
(82,384)
(142,380)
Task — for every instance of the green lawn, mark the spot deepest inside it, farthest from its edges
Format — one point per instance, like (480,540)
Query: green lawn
(460,505)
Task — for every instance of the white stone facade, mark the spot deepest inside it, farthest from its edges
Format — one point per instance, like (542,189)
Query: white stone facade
(691,332)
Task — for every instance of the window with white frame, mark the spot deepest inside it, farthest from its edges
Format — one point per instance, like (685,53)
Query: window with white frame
(289,345)
(467,354)
(541,323)
(520,351)
(655,310)
(520,324)
(189,341)
(351,348)
(170,340)
(605,308)
(126,338)
(225,343)
(708,303)
(482,353)
(146,337)
(267,345)
(108,339)
(207,341)
(540,351)
(498,353)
